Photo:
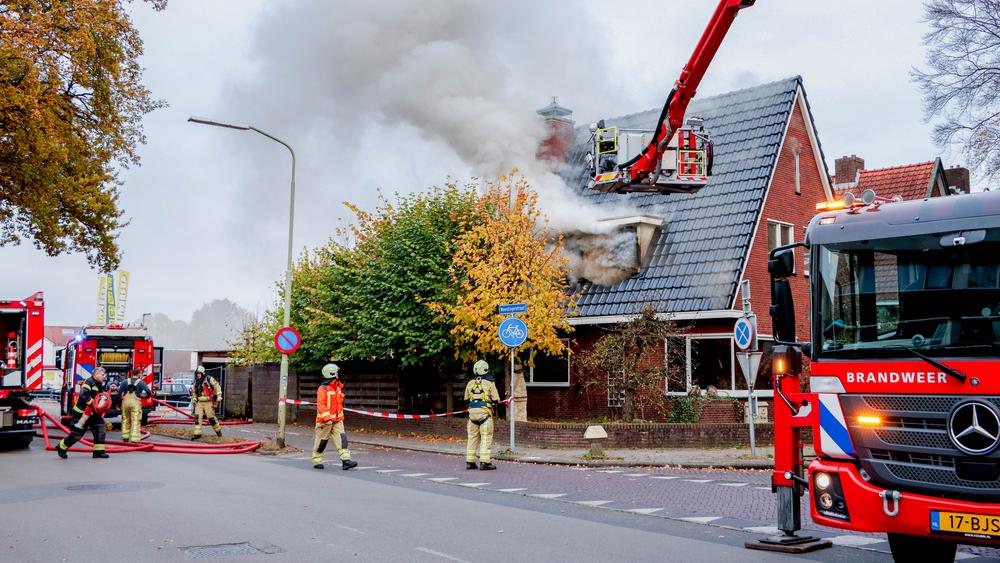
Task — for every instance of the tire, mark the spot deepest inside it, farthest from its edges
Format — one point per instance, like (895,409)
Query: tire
(925,550)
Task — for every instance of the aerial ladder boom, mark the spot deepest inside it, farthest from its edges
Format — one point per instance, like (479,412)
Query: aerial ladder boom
(677,158)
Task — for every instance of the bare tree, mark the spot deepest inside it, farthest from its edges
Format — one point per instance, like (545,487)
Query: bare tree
(961,86)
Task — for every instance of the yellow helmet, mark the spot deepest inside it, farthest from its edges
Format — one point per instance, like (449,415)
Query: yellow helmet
(481,368)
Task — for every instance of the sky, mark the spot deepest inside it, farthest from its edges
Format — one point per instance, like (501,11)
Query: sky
(399,95)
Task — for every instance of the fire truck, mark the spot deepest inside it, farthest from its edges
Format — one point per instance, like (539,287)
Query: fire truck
(903,398)
(116,348)
(22,332)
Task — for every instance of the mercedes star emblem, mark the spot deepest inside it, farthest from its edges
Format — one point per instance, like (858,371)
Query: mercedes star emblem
(974,428)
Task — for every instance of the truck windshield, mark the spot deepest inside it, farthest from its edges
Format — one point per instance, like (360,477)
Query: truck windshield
(909,294)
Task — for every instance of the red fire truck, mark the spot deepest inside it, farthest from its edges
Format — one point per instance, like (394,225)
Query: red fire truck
(22,332)
(116,348)
(904,379)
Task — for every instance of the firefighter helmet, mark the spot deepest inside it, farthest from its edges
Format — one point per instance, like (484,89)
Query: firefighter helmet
(201,370)
(330,371)
(481,368)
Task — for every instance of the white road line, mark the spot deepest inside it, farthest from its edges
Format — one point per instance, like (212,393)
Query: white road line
(594,502)
(733,484)
(531,457)
(439,554)
(665,477)
(581,469)
(645,510)
(763,488)
(367,467)
(701,519)
(442,479)
(388,470)
(511,490)
(414,474)
(699,480)
(635,475)
(472,485)
(611,471)
(855,541)
(550,495)
(769,530)
(349,529)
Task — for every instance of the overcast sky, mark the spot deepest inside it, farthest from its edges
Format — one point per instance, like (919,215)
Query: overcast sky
(397,96)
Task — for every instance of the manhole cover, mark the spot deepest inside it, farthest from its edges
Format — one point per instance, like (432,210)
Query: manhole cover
(226,550)
(92,487)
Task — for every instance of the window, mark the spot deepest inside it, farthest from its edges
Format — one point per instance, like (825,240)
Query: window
(798,183)
(711,363)
(763,381)
(710,360)
(550,371)
(779,234)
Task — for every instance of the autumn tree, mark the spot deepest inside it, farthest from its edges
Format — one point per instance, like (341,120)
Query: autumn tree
(71,104)
(510,256)
(961,86)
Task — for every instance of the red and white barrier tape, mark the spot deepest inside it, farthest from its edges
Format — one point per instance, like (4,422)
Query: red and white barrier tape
(387,414)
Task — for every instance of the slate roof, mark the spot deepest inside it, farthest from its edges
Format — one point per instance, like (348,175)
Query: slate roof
(705,236)
(910,181)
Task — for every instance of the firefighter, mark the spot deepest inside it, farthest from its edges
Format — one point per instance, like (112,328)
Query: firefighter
(206,394)
(330,419)
(91,404)
(481,393)
(131,393)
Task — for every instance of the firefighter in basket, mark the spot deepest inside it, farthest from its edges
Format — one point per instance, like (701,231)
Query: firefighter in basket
(92,403)
(206,393)
(482,395)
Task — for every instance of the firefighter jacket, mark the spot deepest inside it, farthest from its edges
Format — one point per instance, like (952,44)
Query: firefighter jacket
(481,394)
(330,402)
(88,390)
(134,386)
(206,389)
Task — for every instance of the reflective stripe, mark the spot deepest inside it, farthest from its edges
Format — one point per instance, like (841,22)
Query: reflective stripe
(34,348)
(835,441)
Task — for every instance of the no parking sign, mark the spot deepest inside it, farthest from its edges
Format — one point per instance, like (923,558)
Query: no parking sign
(287,340)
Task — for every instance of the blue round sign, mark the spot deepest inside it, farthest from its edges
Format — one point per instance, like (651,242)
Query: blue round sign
(743,333)
(287,340)
(513,332)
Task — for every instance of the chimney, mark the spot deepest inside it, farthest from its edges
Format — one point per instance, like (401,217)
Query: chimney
(957,179)
(647,232)
(558,132)
(846,168)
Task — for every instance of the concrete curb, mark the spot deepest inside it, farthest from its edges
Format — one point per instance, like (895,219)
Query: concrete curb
(581,462)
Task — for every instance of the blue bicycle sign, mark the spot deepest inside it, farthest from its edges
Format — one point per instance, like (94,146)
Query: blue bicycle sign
(513,332)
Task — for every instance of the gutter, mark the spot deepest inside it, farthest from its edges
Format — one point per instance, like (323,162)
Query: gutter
(685,316)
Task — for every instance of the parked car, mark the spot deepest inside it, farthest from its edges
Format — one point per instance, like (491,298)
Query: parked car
(176,394)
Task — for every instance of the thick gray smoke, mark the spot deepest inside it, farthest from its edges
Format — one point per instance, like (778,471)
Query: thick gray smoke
(601,258)
(211,327)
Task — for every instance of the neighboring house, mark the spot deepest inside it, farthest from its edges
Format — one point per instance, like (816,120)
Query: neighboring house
(909,181)
(769,173)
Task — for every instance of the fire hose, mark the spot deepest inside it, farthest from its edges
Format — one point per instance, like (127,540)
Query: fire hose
(117,446)
(381,414)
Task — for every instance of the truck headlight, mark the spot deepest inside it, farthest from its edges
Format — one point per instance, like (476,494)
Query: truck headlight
(828,496)
(823,481)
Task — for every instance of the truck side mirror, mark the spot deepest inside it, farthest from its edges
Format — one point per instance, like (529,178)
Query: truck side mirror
(782,264)
(59,359)
(782,310)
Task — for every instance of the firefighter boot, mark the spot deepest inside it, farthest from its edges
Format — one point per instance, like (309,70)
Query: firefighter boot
(218,433)
(470,465)
(61,450)
(101,454)
(486,466)
(196,437)
(317,466)
(349,464)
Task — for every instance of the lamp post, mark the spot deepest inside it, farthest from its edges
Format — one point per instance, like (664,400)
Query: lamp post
(283,385)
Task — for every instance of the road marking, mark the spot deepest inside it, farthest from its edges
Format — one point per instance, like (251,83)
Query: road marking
(550,495)
(594,502)
(581,469)
(634,475)
(531,457)
(855,541)
(611,471)
(473,485)
(388,470)
(414,474)
(763,488)
(442,479)
(439,554)
(698,480)
(349,529)
(733,484)
(645,510)
(701,519)
(511,490)
(367,467)
(665,477)
(769,530)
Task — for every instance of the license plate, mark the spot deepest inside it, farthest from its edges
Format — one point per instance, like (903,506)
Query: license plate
(974,525)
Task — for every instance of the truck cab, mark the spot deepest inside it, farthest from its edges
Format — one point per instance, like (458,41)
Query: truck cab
(22,325)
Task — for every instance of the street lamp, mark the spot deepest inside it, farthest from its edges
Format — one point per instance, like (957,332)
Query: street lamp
(283,385)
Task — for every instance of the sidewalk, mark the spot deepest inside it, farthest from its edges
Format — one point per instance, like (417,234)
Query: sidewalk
(301,437)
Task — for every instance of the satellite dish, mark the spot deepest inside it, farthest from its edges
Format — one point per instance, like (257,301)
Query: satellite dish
(848,199)
(868,196)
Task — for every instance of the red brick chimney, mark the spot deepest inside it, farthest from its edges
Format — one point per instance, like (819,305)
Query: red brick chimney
(846,168)
(958,179)
(558,132)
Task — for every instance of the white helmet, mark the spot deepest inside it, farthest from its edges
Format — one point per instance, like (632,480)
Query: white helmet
(330,371)
(481,368)
(201,369)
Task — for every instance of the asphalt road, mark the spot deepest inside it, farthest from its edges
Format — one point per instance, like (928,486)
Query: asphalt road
(164,507)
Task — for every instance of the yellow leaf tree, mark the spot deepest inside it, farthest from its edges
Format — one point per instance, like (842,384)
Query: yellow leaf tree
(511,255)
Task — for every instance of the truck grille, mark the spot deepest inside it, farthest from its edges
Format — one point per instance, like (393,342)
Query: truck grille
(911,450)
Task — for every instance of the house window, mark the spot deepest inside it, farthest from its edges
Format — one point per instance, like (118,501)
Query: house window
(798,178)
(779,234)
(550,371)
(711,362)
(764,376)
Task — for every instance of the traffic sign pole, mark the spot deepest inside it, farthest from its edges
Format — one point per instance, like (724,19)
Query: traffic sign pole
(512,332)
(512,407)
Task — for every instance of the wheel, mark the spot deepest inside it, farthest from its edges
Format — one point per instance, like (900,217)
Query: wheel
(915,548)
